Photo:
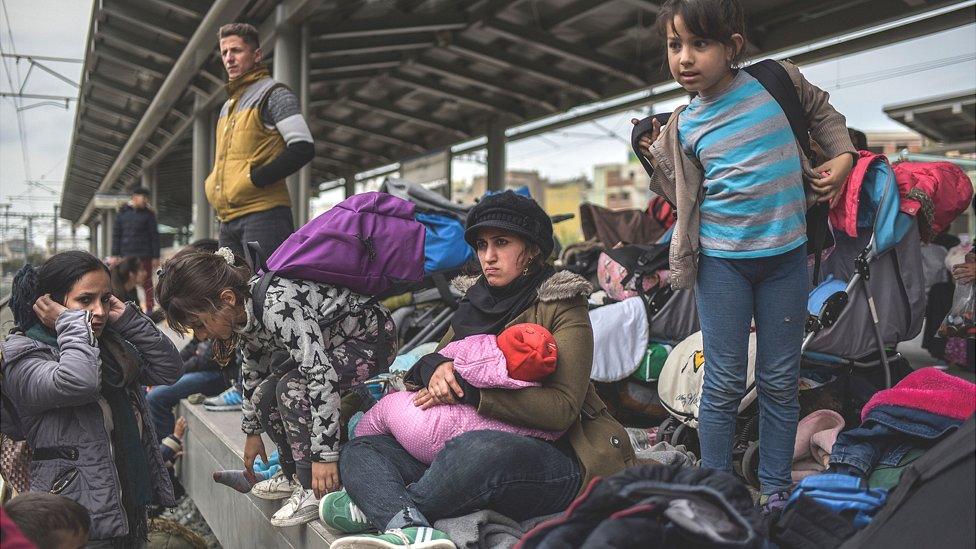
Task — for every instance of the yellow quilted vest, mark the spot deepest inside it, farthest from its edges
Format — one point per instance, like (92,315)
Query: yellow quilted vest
(243,143)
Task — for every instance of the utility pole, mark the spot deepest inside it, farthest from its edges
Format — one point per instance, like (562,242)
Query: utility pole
(29,234)
(26,247)
(56,228)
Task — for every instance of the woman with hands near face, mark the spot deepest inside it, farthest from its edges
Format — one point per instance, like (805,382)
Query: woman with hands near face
(73,375)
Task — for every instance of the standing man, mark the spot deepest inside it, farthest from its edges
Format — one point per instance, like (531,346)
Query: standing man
(136,234)
(262,138)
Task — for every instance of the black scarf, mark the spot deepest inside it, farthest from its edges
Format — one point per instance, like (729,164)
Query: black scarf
(487,309)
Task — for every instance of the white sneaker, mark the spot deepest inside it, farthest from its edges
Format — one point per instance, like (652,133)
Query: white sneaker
(277,487)
(300,508)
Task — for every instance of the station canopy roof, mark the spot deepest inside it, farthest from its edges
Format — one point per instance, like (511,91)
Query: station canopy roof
(946,118)
(390,80)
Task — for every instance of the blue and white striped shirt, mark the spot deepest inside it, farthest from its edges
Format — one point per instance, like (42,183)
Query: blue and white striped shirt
(754,202)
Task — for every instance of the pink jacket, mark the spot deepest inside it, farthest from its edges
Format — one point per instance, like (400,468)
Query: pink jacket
(423,433)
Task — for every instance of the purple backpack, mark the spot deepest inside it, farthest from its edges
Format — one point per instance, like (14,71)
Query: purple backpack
(365,243)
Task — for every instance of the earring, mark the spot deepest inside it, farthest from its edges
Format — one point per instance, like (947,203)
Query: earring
(525,271)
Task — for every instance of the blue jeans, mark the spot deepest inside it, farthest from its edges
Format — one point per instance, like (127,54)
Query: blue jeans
(519,477)
(731,293)
(162,398)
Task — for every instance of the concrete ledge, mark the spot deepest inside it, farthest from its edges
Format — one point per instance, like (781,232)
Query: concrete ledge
(214,441)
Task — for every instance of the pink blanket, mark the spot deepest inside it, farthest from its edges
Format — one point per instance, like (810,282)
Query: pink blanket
(930,390)
(423,433)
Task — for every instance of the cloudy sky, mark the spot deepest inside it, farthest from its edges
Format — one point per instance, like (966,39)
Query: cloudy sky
(860,85)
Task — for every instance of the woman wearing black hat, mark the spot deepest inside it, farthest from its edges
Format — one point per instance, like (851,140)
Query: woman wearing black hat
(516,476)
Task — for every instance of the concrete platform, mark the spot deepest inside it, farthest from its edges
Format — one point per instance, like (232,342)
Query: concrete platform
(214,441)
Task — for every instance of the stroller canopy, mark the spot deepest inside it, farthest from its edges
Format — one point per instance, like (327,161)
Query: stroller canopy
(879,206)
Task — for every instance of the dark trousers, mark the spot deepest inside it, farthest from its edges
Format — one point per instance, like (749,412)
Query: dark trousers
(162,398)
(268,228)
(517,476)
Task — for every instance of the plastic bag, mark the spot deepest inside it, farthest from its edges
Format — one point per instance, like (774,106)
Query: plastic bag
(959,321)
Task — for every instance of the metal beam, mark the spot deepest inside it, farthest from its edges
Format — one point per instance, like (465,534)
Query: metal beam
(194,11)
(385,60)
(377,134)
(570,14)
(345,76)
(499,57)
(137,44)
(19,56)
(566,50)
(127,60)
(646,5)
(346,149)
(151,22)
(397,23)
(199,47)
(119,88)
(91,103)
(461,96)
(502,87)
(371,44)
(39,96)
(389,109)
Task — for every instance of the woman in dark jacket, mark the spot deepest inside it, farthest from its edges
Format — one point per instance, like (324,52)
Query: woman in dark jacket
(73,372)
(517,476)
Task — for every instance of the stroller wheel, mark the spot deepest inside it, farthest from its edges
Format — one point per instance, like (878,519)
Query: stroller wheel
(750,465)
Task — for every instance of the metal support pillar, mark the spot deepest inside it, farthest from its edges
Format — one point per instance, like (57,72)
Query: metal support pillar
(203,133)
(287,70)
(93,239)
(149,182)
(349,183)
(304,174)
(496,154)
(54,243)
(108,225)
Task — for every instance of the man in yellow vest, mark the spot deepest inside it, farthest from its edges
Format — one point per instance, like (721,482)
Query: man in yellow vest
(262,138)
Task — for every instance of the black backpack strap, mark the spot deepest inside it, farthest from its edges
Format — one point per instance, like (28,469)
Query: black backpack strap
(778,83)
(646,126)
(259,293)
(255,257)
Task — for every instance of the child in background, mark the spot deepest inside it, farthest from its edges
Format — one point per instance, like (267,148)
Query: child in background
(519,357)
(731,165)
(50,521)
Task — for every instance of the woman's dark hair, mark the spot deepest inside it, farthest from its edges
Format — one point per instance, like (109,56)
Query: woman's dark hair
(122,272)
(56,276)
(191,281)
(712,19)
(858,139)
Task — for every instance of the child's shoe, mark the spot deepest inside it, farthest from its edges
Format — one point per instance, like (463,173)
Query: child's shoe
(300,508)
(228,401)
(414,537)
(277,487)
(339,513)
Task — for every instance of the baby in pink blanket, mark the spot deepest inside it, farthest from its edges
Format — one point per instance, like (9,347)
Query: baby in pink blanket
(517,358)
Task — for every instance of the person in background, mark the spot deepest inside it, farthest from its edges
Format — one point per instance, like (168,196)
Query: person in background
(49,521)
(136,234)
(858,138)
(262,138)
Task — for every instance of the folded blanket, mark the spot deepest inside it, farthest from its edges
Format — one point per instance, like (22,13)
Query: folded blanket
(486,530)
(930,390)
(815,436)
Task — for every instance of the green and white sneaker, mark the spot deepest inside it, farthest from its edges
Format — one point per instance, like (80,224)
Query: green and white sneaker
(422,537)
(338,512)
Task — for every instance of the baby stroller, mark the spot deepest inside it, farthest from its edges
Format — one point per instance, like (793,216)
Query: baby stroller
(656,320)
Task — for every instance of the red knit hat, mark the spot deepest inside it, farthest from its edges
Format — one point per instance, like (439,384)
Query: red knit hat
(530,351)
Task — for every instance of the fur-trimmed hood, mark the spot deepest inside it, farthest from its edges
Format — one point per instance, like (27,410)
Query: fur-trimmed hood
(562,285)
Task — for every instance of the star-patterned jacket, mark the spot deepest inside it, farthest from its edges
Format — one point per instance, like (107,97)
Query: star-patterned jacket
(294,311)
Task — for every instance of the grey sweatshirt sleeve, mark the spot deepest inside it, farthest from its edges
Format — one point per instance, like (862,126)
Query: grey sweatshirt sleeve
(38,384)
(163,363)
